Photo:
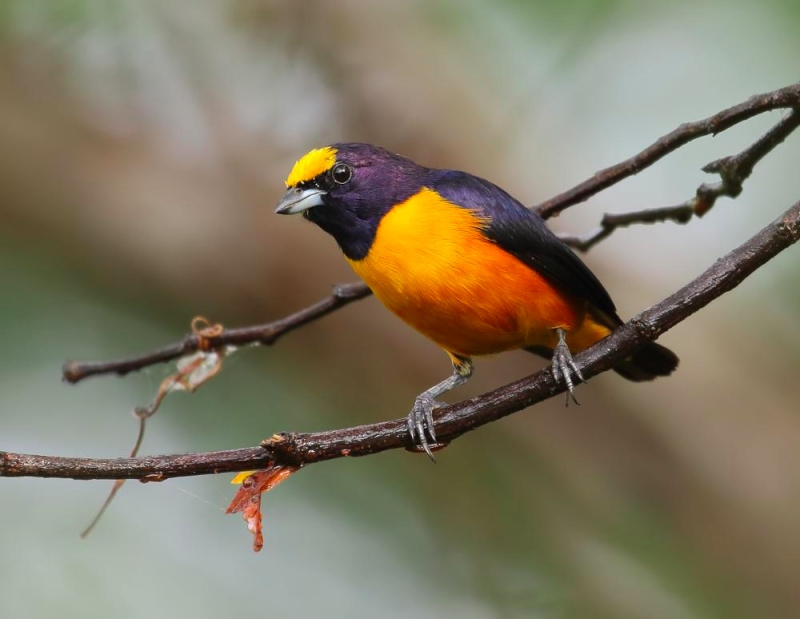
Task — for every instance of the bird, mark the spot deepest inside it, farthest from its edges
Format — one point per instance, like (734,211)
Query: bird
(461,261)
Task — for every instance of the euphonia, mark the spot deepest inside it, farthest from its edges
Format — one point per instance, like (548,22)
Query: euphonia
(462,262)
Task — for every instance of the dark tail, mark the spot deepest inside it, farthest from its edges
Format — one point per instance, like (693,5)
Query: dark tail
(649,362)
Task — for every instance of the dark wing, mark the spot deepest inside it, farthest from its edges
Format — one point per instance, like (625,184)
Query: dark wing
(524,234)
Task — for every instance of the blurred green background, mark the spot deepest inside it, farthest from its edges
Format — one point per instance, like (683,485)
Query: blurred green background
(143,146)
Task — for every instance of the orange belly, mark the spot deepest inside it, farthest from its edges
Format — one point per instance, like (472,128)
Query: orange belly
(431,265)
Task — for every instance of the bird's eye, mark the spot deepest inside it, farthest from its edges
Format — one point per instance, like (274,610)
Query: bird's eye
(341,173)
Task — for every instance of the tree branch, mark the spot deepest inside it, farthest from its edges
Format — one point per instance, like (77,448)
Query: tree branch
(452,421)
(733,171)
(681,213)
(264,335)
(788,97)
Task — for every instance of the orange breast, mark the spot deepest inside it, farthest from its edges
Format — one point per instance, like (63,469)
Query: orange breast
(431,265)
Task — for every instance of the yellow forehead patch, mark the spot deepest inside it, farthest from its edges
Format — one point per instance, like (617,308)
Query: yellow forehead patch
(311,165)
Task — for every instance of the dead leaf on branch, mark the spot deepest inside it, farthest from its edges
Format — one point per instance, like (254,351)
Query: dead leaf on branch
(194,371)
(248,498)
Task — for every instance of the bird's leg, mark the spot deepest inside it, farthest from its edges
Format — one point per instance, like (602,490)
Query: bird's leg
(420,419)
(563,365)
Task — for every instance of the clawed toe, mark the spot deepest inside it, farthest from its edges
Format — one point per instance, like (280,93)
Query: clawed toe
(563,367)
(420,419)
(420,424)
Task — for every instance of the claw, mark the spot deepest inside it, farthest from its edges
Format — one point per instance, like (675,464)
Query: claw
(420,424)
(563,366)
(420,419)
(429,420)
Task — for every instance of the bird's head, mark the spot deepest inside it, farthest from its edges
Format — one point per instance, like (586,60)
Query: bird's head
(346,189)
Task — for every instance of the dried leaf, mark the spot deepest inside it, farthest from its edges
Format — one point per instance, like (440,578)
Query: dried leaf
(193,372)
(248,498)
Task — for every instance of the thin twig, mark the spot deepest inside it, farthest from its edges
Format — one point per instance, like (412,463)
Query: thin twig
(733,171)
(142,416)
(788,97)
(265,335)
(452,421)
(681,213)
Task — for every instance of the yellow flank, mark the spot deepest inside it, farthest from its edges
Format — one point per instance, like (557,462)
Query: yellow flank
(431,264)
(311,165)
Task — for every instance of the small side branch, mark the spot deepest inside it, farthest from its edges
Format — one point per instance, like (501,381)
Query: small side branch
(733,171)
(265,335)
(783,98)
(681,213)
(297,450)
